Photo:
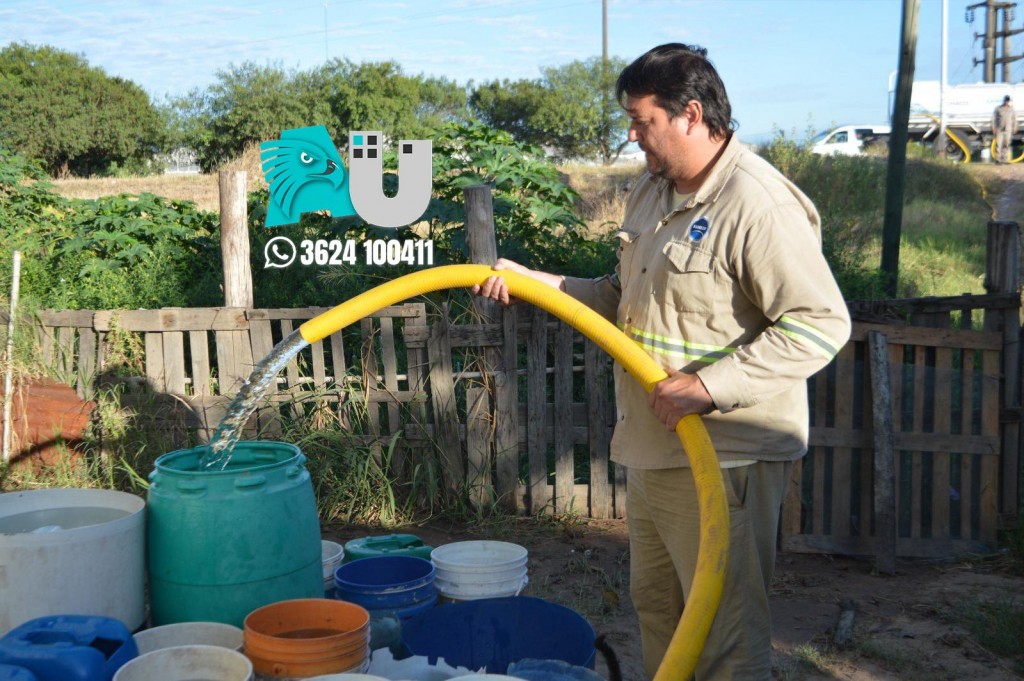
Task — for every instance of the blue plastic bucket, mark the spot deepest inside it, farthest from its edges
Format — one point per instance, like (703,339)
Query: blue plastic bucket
(495,632)
(403,585)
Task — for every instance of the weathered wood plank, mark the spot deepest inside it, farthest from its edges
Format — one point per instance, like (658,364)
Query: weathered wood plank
(596,386)
(155,361)
(371,373)
(866,546)
(506,414)
(319,365)
(442,392)
(261,340)
(989,496)
(173,319)
(564,451)
(200,353)
(842,457)
(228,379)
(291,371)
(478,445)
(72,318)
(920,398)
(304,313)
(884,481)
(536,397)
(65,352)
(389,361)
(174,362)
(942,421)
(928,336)
(966,444)
(86,362)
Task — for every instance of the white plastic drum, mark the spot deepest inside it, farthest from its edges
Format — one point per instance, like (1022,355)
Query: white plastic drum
(72,551)
(470,570)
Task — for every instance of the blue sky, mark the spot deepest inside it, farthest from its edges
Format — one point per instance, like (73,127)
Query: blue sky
(789,64)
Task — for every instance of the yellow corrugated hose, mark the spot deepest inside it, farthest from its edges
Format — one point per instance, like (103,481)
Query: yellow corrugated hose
(706,591)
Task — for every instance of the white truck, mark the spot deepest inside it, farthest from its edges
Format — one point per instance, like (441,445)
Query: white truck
(849,140)
(968,109)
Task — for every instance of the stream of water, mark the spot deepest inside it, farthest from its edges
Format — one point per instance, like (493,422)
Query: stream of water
(254,389)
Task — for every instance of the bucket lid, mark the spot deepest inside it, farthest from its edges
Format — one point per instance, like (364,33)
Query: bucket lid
(386,545)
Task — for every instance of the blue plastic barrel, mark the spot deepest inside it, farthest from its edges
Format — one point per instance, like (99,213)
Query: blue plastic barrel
(69,648)
(495,632)
(11,673)
(403,585)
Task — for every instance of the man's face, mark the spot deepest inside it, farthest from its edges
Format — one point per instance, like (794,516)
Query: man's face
(660,138)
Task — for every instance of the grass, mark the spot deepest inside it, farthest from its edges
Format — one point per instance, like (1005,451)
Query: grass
(997,624)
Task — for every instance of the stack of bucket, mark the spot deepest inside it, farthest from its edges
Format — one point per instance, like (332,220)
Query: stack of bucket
(303,638)
(470,570)
(398,585)
(331,555)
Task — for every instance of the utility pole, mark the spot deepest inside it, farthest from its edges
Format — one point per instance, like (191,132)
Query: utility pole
(993,8)
(894,182)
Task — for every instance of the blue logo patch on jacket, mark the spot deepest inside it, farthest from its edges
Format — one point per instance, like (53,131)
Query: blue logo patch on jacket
(698,228)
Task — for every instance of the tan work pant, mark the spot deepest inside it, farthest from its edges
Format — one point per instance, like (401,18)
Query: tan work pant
(1004,140)
(664,532)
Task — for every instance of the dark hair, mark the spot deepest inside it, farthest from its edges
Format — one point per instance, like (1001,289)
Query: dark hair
(677,74)
(1006,99)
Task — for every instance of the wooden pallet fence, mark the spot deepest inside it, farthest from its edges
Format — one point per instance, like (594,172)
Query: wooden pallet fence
(551,452)
(944,387)
(529,428)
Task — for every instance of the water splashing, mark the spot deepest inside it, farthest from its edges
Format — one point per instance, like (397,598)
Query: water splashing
(252,392)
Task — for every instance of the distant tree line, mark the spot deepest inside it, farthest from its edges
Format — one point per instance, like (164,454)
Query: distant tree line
(74,119)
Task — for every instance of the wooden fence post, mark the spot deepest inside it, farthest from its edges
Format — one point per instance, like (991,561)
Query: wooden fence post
(234,239)
(500,362)
(1002,275)
(885,491)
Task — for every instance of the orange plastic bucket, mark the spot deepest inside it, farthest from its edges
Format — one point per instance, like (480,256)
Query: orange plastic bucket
(307,637)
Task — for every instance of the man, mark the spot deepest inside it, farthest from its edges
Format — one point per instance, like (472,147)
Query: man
(721,279)
(1004,125)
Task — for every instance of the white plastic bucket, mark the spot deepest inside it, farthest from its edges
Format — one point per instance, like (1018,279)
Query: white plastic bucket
(189,633)
(187,663)
(79,551)
(331,554)
(470,570)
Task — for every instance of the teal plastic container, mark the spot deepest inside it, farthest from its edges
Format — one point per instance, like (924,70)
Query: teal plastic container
(221,543)
(386,545)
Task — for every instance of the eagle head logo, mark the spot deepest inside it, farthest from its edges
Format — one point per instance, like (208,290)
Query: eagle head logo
(305,174)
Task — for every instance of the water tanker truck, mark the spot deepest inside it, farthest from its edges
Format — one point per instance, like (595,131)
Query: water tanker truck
(968,111)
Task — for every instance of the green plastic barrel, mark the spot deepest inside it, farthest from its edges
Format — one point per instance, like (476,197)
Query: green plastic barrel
(386,545)
(221,543)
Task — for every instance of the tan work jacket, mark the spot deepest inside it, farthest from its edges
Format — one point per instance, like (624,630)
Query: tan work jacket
(732,286)
(1004,119)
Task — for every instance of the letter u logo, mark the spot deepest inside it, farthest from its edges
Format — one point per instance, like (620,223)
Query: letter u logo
(366,171)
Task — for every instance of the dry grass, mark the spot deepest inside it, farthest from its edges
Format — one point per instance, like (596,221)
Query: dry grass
(602,191)
(200,189)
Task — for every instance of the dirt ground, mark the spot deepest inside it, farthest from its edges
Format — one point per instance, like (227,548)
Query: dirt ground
(905,627)
(913,626)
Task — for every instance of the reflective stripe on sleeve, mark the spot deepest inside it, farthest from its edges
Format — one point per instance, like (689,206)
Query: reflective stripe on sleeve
(827,347)
(672,347)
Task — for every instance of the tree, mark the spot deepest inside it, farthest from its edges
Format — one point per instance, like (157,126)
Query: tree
(379,96)
(571,109)
(251,103)
(248,103)
(72,117)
